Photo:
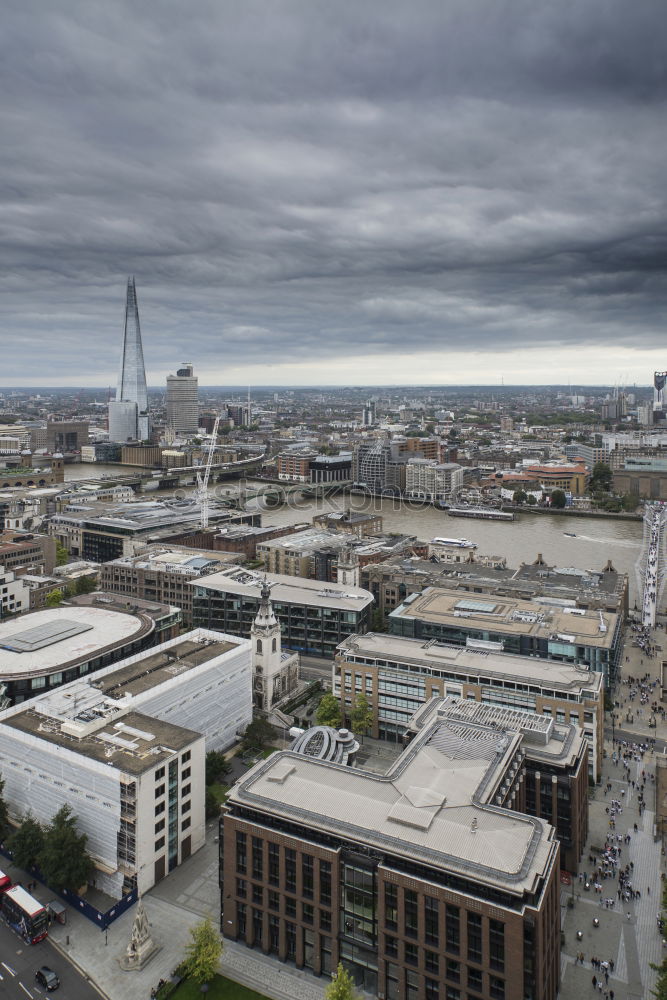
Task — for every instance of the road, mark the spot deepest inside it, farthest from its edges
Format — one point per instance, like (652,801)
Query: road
(631,737)
(20,961)
(316,668)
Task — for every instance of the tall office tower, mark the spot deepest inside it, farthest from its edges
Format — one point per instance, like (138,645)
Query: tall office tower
(183,400)
(128,413)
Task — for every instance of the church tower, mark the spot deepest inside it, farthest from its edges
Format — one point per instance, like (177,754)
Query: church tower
(348,573)
(266,654)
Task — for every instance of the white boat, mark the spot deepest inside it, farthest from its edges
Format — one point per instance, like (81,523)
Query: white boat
(457,543)
(483,513)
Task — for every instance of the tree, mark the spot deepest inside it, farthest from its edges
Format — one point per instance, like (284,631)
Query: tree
(4,814)
(328,711)
(63,859)
(378,623)
(341,986)
(630,502)
(62,554)
(558,499)
(54,598)
(601,477)
(519,496)
(531,499)
(361,715)
(211,804)
(259,733)
(216,766)
(202,958)
(85,584)
(26,843)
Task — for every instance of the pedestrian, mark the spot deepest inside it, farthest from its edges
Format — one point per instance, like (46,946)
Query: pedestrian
(629,916)
(594,981)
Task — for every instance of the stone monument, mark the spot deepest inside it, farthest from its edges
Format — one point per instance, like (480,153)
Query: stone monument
(142,947)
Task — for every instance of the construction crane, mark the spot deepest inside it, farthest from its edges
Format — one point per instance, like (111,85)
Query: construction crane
(202,483)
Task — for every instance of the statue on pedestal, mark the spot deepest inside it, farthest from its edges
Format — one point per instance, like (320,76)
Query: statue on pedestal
(141,947)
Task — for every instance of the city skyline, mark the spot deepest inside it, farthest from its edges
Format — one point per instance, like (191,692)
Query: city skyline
(447,194)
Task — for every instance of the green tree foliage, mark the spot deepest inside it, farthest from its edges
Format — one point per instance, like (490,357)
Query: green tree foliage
(328,711)
(630,503)
(26,843)
(216,766)
(558,499)
(85,585)
(63,859)
(4,814)
(202,954)
(62,554)
(378,623)
(601,478)
(361,715)
(531,500)
(660,991)
(211,804)
(259,733)
(54,598)
(519,496)
(341,986)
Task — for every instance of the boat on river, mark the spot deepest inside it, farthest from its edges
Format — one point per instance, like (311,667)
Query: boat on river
(481,513)
(455,543)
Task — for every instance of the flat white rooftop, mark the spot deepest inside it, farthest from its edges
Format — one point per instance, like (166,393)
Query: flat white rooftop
(290,589)
(46,641)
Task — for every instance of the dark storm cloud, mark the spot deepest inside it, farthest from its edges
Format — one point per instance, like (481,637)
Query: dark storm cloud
(297,180)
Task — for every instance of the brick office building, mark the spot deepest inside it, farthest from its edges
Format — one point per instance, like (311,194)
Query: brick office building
(427,882)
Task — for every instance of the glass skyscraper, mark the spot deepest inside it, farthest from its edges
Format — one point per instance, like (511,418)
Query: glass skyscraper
(128,413)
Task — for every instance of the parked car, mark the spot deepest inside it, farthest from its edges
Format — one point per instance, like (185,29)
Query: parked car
(47,978)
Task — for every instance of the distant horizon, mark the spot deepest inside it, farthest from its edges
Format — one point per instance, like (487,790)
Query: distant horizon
(573,389)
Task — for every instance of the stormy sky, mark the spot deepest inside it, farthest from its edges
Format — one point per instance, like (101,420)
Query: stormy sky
(341,192)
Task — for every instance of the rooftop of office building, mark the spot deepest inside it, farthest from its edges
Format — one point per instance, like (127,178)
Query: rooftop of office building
(129,741)
(434,805)
(380,647)
(289,589)
(509,616)
(170,561)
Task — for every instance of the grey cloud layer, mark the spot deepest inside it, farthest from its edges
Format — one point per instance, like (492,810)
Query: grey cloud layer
(294,180)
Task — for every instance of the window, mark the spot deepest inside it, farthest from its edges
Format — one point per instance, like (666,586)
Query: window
(160,773)
(431,962)
(391,906)
(186,823)
(308,913)
(474,979)
(186,773)
(257,926)
(274,935)
(290,870)
(290,942)
(241,860)
(474,937)
(452,929)
(159,844)
(241,912)
(159,826)
(159,791)
(290,906)
(325,883)
(496,988)
(159,808)
(185,791)
(453,970)
(410,912)
(307,875)
(411,953)
(391,946)
(185,807)
(186,757)
(497,945)
(274,864)
(274,900)
(325,920)
(431,990)
(257,858)
(257,895)
(431,907)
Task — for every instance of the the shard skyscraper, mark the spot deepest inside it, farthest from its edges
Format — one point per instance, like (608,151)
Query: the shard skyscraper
(128,413)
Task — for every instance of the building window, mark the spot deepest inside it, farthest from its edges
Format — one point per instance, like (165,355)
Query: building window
(452,929)
(453,971)
(290,942)
(241,912)
(497,945)
(185,774)
(307,875)
(159,844)
(290,906)
(474,937)
(241,849)
(431,929)
(257,895)
(274,864)
(410,912)
(308,913)
(325,883)
(411,954)
(274,935)
(186,757)
(496,988)
(390,906)
(159,791)
(159,826)
(431,963)
(257,926)
(241,885)
(274,900)
(257,858)
(391,946)
(475,979)
(160,773)
(431,990)
(186,823)
(185,790)
(185,807)
(290,870)
(159,808)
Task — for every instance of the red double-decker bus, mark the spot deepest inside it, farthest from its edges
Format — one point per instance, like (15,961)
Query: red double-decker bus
(25,914)
(5,882)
